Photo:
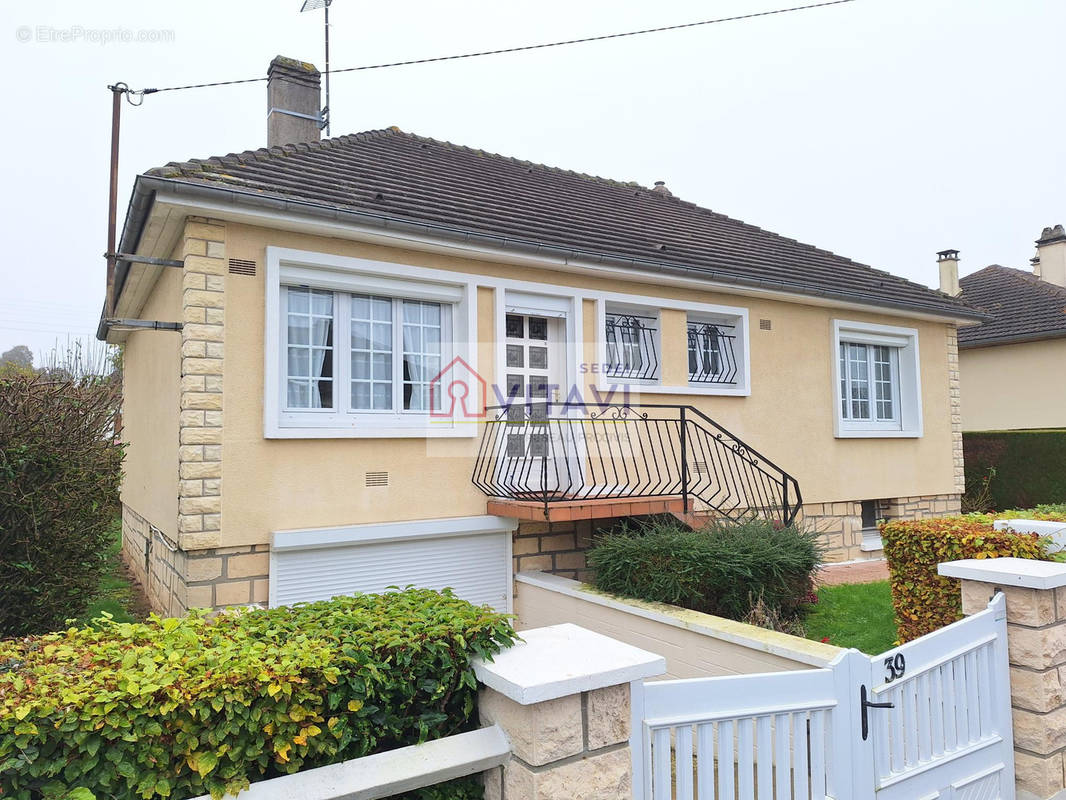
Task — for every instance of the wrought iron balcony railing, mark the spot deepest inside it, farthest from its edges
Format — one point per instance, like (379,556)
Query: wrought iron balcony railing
(567,452)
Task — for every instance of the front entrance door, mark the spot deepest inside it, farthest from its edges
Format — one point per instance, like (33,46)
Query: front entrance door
(535,369)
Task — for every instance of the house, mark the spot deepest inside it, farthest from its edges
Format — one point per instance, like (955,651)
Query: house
(643,355)
(1021,347)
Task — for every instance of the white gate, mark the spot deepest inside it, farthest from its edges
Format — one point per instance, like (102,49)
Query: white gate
(930,719)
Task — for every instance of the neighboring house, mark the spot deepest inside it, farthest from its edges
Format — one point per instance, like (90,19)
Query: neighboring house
(1013,366)
(291,441)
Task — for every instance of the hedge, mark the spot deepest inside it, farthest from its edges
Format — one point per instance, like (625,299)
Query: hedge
(923,600)
(183,707)
(724,569)
(59,479)
(1030,466)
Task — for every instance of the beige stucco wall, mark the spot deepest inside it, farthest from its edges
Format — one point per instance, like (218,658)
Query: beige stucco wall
(278,484)
(1014,387)
(694,645)
(150,392)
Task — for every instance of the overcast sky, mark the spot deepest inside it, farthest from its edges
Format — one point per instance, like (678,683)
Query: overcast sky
(883,130)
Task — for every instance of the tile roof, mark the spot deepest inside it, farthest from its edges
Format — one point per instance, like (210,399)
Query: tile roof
(1022,307)
(411,178)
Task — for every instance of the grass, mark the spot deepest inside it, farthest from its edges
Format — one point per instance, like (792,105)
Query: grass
(855,615)
(116,594)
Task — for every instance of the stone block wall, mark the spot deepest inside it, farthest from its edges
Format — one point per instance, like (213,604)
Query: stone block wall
(202,357)
(554,547)
(575,746)
(228,576)
(559,548)
(176,580)
(1036,647)
(840,524)
(955,394)
(562,698)
(156,562)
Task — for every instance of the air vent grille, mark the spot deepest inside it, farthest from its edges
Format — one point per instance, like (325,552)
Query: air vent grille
(700,467)
(765,325)
(241,266)
(377,479)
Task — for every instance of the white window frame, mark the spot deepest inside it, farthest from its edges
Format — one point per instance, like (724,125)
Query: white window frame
(347,276)
(737,316)
(907,384)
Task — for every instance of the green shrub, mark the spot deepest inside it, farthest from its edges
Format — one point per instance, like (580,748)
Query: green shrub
(59,479)
(1030,466)
(181,707)
(725,569)
(924,600)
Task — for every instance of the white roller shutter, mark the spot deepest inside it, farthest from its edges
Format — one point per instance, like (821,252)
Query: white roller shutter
(471,555)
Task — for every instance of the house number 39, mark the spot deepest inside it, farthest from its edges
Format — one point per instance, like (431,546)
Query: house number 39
(895,666)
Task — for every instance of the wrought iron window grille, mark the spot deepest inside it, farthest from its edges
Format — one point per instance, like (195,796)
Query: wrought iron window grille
(712,353)
(632,347)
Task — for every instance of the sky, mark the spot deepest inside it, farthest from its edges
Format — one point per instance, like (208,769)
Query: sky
(883,130)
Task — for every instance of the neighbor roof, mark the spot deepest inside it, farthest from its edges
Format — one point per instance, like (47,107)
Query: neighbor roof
(393,175)
(1022,306)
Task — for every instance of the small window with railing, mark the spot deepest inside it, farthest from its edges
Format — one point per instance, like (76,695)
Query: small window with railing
(713,357)
(633,344)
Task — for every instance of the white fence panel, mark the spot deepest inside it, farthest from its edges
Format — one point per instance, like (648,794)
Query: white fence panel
(948,732)
(740,737)
(930,719)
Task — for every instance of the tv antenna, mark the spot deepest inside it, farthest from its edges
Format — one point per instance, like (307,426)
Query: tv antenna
(314,5)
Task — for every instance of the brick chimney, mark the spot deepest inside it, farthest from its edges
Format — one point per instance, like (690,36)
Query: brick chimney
(1050,261)
(948,261)
(294,102)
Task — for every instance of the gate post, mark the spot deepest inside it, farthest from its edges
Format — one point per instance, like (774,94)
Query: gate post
(1035,594)
(563,696)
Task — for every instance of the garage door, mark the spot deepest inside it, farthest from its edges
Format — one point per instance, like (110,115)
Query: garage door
(471,555)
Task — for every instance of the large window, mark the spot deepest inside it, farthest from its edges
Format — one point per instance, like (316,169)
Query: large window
(869,383)
(632,338)
(353,345)
(877,380)
(386,350)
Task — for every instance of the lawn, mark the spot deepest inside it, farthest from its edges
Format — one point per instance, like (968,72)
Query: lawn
(855,615)
(116,594)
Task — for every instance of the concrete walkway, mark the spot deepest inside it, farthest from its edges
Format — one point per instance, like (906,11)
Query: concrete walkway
(855,572)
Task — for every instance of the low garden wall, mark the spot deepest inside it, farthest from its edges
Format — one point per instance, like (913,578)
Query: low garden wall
(695,645)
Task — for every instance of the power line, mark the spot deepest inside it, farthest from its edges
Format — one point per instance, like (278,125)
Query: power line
(523,48)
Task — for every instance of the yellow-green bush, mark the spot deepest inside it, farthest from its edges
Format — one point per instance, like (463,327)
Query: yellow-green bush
(182,707)
(923,600)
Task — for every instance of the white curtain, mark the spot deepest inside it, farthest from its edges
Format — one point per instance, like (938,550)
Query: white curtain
(321,338)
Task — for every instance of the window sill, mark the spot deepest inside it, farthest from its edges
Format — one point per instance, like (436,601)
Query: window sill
(457,430)
(656,388)
(873,433)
